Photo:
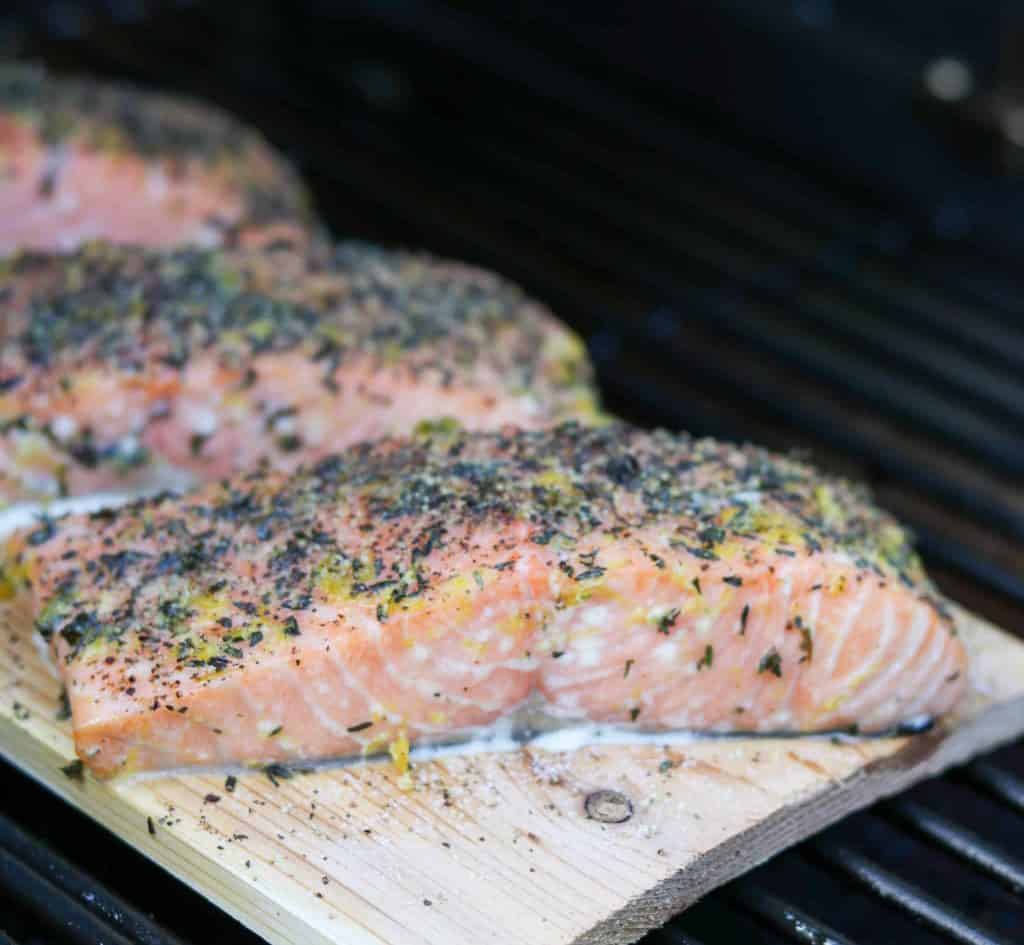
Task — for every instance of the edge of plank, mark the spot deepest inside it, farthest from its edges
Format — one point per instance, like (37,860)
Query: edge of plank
(921,757)
(241,900)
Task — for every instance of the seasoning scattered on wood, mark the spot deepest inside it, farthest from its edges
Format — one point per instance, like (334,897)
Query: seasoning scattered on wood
(277,772)
(75,771)
(64,706)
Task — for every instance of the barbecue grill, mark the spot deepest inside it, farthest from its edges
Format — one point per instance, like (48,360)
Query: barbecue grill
(733,275)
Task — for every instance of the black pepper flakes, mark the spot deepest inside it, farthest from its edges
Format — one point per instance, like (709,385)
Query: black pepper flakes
(196,442)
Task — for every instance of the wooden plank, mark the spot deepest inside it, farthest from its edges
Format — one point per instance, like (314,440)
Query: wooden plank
(498,847)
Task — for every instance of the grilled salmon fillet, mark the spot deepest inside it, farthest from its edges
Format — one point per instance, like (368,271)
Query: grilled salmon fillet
(414,588)
(82,160)
(125,368)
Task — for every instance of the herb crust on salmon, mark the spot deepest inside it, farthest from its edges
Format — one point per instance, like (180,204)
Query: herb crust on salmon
(81,160)
(416,588)
(120,366)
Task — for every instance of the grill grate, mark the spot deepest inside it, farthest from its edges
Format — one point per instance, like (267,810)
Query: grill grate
(724,286)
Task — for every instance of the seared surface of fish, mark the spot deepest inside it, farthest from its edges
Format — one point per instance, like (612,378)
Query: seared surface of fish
(83,160)
(124,368)
(415,588)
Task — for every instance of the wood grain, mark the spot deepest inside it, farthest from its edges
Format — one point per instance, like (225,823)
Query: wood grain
(497,848)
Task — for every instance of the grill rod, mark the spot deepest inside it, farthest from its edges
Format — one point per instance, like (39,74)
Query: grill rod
(68,899)
(792,922)
(903,894)
(959,841)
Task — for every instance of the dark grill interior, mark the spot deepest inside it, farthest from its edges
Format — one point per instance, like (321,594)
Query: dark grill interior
(727,282)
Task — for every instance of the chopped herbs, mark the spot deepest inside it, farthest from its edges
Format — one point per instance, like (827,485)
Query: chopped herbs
(744,616)
(291,627)
(629,666)
(806,643)
(668,620)
(734,579)
(359,727)
(230,783)
(771,662)
(705,554)
(707,659)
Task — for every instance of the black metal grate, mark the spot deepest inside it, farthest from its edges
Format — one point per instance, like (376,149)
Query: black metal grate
(724,286)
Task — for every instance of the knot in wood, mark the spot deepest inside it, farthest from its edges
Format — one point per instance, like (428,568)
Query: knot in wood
(608,807)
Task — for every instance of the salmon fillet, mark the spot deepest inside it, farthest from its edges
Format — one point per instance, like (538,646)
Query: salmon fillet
(124,368)
(82,160)
(414,588)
